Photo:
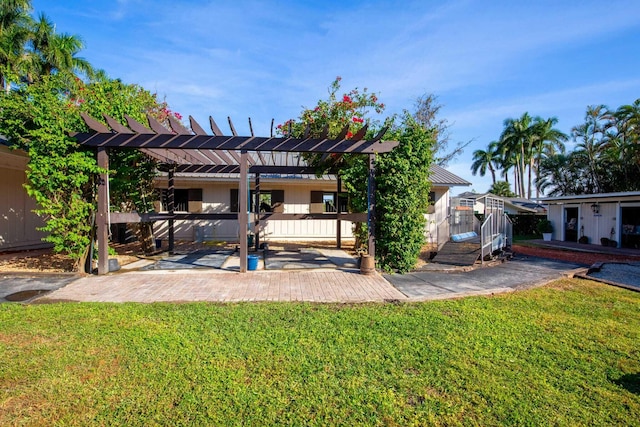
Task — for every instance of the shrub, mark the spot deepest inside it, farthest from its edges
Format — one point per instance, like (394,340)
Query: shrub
(544,226)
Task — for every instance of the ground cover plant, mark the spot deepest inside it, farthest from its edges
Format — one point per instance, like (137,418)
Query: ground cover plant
(563,354)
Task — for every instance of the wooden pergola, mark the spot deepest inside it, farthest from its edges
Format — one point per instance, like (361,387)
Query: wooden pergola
(180,150)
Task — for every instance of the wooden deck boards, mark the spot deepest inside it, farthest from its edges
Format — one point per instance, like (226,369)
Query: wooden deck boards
(459,253)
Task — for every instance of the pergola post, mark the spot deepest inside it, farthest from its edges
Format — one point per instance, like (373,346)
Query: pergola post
(243,215)
(371,211)
(171,208)
(256,203)
(339,211)
(102,219)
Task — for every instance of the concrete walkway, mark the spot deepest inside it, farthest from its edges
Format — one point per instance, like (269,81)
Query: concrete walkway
(520,272)
(13,283)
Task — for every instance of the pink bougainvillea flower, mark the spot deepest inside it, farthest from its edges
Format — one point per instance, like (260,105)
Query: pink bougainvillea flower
(349,135)
(178,116)
(346,99)
(357,120)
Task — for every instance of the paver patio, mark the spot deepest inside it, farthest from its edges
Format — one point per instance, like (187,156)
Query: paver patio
(347,286)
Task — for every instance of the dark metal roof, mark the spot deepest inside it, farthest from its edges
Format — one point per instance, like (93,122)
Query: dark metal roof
(441,176)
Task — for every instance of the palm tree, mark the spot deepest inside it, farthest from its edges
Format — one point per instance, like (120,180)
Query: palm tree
(591,136)
(561,175)
(546,141)
(621,148)
(516,141)
(14,33)
(489,159)
(52,52)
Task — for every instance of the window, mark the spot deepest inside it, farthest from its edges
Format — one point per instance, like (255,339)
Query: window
(270,201)
(432,203)
(324,201)
(184,200)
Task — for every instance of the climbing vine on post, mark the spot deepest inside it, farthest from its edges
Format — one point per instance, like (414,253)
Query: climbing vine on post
(61,175)
(402,176)
(402,196)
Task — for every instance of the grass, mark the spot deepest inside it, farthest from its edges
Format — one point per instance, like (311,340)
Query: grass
(564,354)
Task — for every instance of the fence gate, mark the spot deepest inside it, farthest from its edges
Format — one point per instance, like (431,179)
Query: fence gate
(462,217)
(497,229)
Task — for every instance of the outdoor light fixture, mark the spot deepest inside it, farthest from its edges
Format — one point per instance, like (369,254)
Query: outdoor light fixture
(595,208)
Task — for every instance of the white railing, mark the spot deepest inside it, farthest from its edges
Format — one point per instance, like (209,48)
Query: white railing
(496,233)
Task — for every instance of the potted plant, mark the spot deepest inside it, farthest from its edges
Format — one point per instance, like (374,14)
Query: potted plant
(545,227)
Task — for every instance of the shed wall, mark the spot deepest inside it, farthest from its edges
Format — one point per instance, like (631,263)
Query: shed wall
(18,223)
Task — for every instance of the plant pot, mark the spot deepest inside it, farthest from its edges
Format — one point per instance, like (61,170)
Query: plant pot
(584,240)
(547,237)
(604,241)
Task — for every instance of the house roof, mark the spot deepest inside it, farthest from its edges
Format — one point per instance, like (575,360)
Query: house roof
(609,197)
(441,176)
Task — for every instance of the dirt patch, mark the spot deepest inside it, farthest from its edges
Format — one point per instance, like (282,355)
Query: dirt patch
(35,261)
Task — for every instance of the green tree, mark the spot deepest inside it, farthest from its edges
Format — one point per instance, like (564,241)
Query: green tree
(61,175)
(501,188)
(562,174)
(426,114)
(15,23)
(402,177)
(403,185)
(590,142)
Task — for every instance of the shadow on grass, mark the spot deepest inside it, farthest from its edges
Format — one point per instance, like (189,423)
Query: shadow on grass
(630,382)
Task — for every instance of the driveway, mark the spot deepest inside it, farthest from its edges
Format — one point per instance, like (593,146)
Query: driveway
(520,272)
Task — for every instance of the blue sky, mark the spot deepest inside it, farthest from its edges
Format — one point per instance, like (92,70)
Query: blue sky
(484,60)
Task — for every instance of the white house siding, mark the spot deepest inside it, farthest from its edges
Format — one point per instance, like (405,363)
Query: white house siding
(18,223)
(297,197)
(434,231)
(555,214)
(592,225)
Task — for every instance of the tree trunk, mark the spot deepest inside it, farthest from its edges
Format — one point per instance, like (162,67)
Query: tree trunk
(144,233)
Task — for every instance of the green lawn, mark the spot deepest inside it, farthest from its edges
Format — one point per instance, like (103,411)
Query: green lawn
(564,354)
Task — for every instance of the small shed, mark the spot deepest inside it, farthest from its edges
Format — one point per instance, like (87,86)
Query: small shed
(18,223)
(611,219)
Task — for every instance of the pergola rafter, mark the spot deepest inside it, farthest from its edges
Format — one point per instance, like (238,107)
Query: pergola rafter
(180,150)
